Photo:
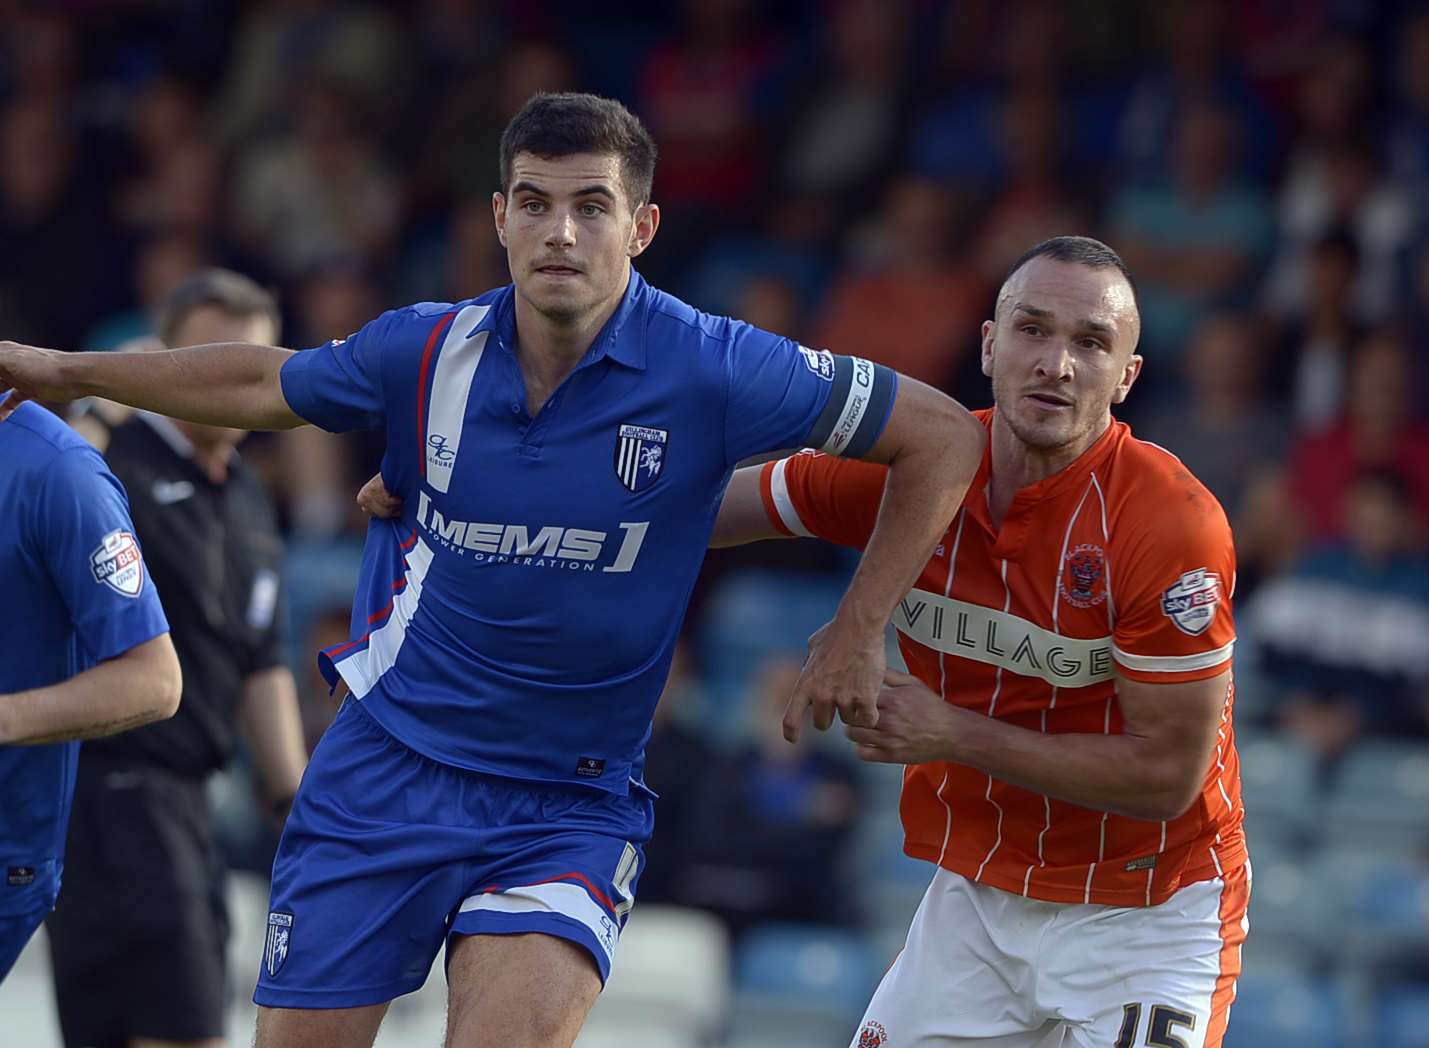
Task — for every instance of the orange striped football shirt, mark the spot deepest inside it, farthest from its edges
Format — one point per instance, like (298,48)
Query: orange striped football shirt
(1120,565)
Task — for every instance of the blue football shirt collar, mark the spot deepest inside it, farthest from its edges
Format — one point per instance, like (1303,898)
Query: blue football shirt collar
(622,338)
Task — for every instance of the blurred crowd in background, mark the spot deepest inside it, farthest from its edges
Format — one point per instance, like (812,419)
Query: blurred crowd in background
(857,175)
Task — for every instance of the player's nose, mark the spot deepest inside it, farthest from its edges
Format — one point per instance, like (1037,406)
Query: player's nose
(1055,360)
(562,232)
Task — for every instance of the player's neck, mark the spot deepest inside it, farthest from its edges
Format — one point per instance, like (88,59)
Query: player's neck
(549,349)
(1017,465)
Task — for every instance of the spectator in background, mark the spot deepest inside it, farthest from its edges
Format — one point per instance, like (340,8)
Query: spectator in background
(905,298)
(705,97)
(1341,636)
(1344,187)
(49,223)
(1219,423)
(1317,341)
(842,133)
(769,834)
(1034,201)
(1197,240)
(320,194)
(280,48)
(1199,67)
(1408,139)
(1378,430)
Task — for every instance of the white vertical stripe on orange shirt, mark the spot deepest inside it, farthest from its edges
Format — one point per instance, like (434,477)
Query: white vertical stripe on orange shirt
(943,684)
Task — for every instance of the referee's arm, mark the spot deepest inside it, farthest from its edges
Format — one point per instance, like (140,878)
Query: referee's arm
(268,714)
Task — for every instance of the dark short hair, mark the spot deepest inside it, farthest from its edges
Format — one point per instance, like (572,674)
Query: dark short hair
(1083,251)
(557,125)
(232,292)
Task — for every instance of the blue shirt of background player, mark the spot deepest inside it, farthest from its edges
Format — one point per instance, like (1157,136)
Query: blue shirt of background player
(520,618)
(67,557)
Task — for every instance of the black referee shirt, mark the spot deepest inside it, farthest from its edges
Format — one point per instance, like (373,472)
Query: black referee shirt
(214,553)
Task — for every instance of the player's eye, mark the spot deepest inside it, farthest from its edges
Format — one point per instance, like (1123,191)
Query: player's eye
(591,210)
(533,207)
(1031,329)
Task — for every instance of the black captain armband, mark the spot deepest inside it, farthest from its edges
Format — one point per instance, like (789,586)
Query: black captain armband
(857,409)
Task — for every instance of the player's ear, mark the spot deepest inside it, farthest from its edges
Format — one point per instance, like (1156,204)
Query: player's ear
(989,329)
(498,211)
(1128,378)
(642,230)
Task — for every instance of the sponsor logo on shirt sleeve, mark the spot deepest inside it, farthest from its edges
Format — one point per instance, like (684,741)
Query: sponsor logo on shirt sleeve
(1190,603)
(118,564)
(819,361)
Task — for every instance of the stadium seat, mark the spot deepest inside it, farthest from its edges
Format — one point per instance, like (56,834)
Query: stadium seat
(1286,1006)
(1380,797)
(750,617)
(1278,786)
(804,984)
(1382,900)
(1290,912)
(671,974)
(1402,1018)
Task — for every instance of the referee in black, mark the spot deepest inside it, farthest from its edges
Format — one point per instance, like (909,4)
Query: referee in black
(138,938)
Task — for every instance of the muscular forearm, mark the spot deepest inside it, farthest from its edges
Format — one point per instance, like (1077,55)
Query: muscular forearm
(926,484)
(224,384)
(1122,774)
(140,686)
(270,719)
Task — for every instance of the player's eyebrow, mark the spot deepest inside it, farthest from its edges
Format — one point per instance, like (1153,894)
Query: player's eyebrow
(595,189)
(1046,314)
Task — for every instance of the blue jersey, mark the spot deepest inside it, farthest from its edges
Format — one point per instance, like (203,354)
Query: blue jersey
(73,568)
(519,618)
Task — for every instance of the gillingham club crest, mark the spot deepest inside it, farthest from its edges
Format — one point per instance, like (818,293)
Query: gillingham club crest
(640,455)
(275,947)
(118,563)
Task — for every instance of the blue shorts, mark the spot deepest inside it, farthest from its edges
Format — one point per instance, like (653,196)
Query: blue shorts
(386,854)
(15,932)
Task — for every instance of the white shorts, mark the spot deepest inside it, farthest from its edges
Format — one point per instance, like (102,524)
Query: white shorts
(985,967)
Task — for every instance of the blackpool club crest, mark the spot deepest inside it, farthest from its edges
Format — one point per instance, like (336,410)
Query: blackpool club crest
(640,455)
(275,947)
(118,563)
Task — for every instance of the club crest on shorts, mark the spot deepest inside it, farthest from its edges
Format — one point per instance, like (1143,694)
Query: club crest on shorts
(872,1035)
(118,563)
(640,455)
(1191,602)
(1083,582)
(275,947)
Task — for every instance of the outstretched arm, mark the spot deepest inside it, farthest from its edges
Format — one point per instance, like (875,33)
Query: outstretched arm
(134,688)
(224,384)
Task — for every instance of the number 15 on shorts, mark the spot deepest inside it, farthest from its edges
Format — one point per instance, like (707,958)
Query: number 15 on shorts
(1159,1027)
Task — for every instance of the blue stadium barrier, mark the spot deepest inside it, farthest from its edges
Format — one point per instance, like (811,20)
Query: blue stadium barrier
(1401,1018)
(1380,797)
(808,981)
(1285,1007)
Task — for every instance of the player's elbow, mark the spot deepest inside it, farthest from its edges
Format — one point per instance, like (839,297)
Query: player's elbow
(158,681)
(1166,801)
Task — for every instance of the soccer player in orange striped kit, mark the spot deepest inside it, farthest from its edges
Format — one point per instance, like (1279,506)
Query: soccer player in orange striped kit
(1069,761)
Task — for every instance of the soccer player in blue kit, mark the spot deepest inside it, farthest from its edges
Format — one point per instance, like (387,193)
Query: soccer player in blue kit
(561,446)
(84,650)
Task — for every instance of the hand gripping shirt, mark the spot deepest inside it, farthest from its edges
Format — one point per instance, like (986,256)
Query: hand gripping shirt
(1120,564)
(77,582)
(519,618)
